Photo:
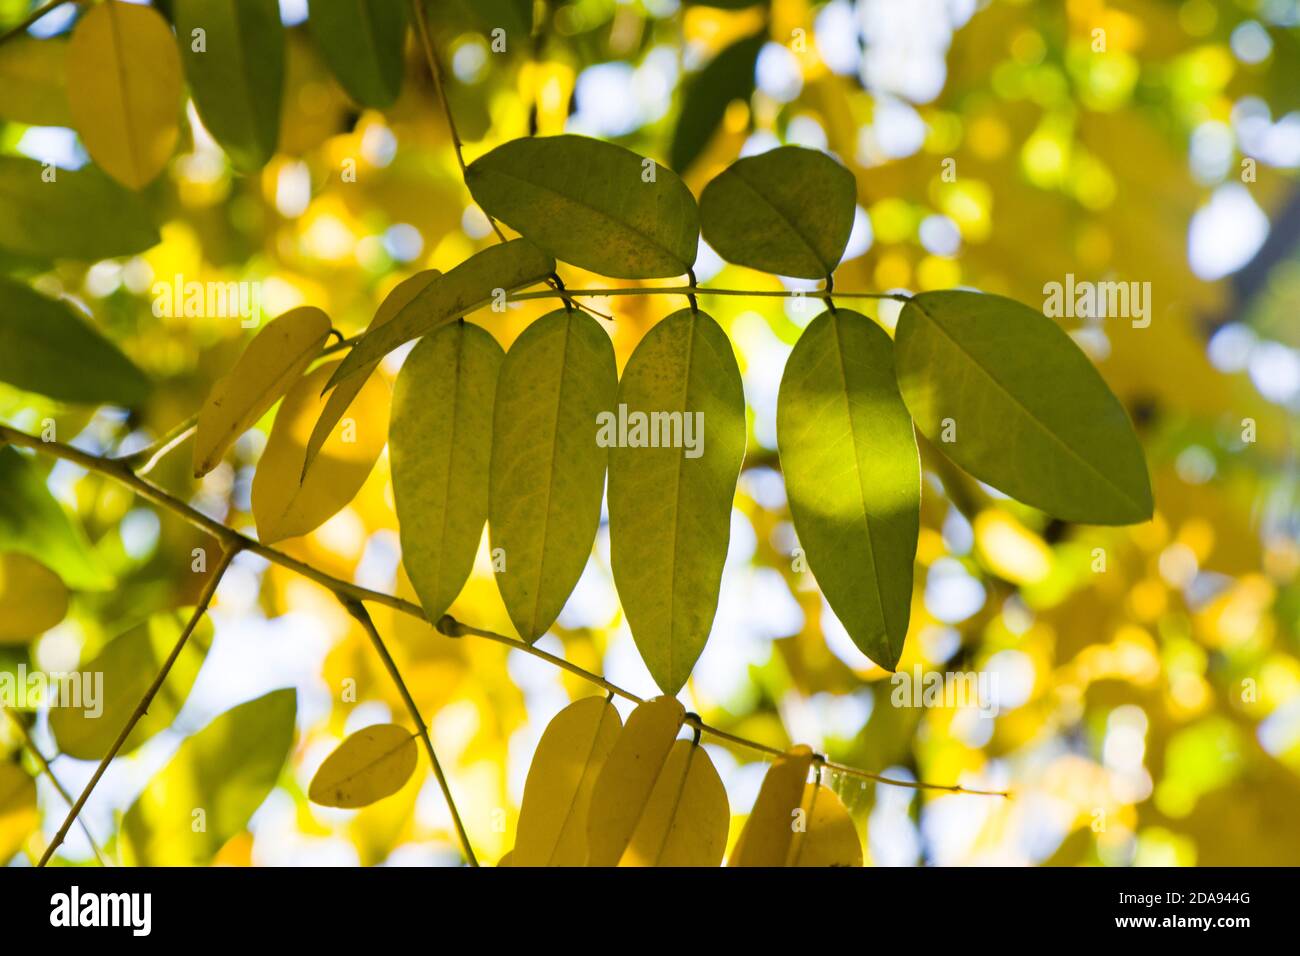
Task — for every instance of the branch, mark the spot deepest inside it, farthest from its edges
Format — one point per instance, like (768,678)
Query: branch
(446,625)
(358,610)
(205,598)
(46,769)
(689,290)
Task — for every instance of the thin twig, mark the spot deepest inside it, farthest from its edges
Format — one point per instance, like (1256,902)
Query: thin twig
(358,610)
(32,18)
(46,769)
(690,290)
(205,598)
(446,625)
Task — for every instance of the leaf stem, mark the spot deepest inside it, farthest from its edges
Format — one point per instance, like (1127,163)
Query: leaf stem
(358,610)
(205,598)
(446,625)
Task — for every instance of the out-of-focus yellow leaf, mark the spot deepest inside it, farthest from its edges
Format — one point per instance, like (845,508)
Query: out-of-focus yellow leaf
(19,816)
(271,363)
(557,795)
(369,765)
(124,89)
(829,837)
(32,598)
(283,506)
(766,838)
(33,76)
(1010,549)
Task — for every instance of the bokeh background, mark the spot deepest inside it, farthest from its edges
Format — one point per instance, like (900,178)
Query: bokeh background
(1147,714)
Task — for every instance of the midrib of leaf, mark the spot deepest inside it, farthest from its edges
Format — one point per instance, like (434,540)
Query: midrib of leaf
(857,470)
(451,456)
(1042,426)
(550,482)
(676,805)
(604,216)
(586,766)
(120,67)
(677,496)
(798,234)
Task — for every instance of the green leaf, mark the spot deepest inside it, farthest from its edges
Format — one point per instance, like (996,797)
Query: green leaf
(46,347)
(1005,393)
(853,476)
(670,507)
(123,670)
(79,215)
(788,211)
(362,43)
(728,76)
(237,77)
(33,76)
(548,472)
(471,285)
(34,524)
(224,772)
(440,443)
(589,203)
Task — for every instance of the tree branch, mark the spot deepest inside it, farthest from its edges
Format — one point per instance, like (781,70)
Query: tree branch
(446,625)
(205,598)
(358,610)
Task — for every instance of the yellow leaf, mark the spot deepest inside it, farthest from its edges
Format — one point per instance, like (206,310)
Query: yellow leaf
(557,795)
(658,801)
(19,817)
(1010,549)
(124,89)
(33,74)
(32,598)
(271,363)
(766,838)
(506,860)
(371,764)
(829,836)
(284,506)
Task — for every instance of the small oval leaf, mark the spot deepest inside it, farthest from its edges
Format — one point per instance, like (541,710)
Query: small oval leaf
(829,837)
(557,795)
(548,471)
(853,476)
(1004,392)
(362,44)
(440,444)
(765,840)
(273,361)
(685,820)
(788,211)
(677,440)
(233,52)
(32,598)
(369,765)
(46,347)
(288,502)
(481,279)
(591,203)
(124,89)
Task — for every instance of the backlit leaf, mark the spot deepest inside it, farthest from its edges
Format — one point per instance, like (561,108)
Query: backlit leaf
(47,347)
(1005,393)
(853,476)
(124,89)
(341,397)
(670,507)
(362,43)
(473,284)
(33,76)
(557,795)
(369,765)
(225,772)
(235,69)
(122,671)
(287,502)
(32,597)
(769,829)
(548,472)
(591,203)
(80,214)
(788,211)
(20,817)
(728,76)
(34,524)
(440,443)
(829,836)
(273,361)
